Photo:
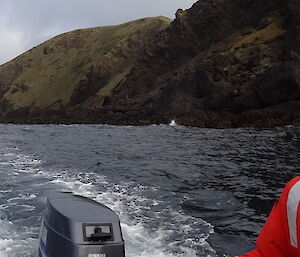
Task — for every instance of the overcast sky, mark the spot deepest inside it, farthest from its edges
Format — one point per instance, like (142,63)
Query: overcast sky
(26,23)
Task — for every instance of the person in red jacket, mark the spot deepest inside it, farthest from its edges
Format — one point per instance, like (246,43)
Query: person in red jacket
(280,236)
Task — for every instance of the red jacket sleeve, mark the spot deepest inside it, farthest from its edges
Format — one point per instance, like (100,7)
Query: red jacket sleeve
(274,239)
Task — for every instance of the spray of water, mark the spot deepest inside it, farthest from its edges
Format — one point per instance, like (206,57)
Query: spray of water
(18,237)
(173,123)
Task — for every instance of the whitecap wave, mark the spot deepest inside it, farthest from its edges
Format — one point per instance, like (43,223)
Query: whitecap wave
(173,123)
(127,200)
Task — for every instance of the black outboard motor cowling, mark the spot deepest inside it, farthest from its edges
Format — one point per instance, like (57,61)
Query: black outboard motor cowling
(75,226)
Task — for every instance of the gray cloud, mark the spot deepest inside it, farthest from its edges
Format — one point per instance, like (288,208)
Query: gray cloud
(26,23)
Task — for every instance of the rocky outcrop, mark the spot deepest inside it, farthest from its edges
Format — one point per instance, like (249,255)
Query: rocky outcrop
(222,63)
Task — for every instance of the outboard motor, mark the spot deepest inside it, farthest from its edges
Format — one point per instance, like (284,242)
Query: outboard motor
(75,226)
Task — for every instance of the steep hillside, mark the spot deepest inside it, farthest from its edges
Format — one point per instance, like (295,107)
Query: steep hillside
(222,63)
(77,68)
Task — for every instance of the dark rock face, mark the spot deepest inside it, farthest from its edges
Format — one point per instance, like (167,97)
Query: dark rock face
(222,63)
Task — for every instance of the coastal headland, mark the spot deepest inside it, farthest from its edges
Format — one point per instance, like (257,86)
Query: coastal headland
(221,63)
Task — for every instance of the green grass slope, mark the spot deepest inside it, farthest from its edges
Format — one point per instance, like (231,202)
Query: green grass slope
(76,68)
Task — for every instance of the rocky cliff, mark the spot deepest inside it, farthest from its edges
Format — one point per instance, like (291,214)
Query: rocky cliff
(222,63)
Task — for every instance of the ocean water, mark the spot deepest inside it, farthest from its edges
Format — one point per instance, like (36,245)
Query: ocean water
(179,191)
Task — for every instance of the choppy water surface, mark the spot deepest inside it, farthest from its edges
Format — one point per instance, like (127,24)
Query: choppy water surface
(178,191)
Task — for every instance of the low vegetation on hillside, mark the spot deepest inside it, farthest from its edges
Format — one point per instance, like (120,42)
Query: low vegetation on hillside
(75,67)
(221,63)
